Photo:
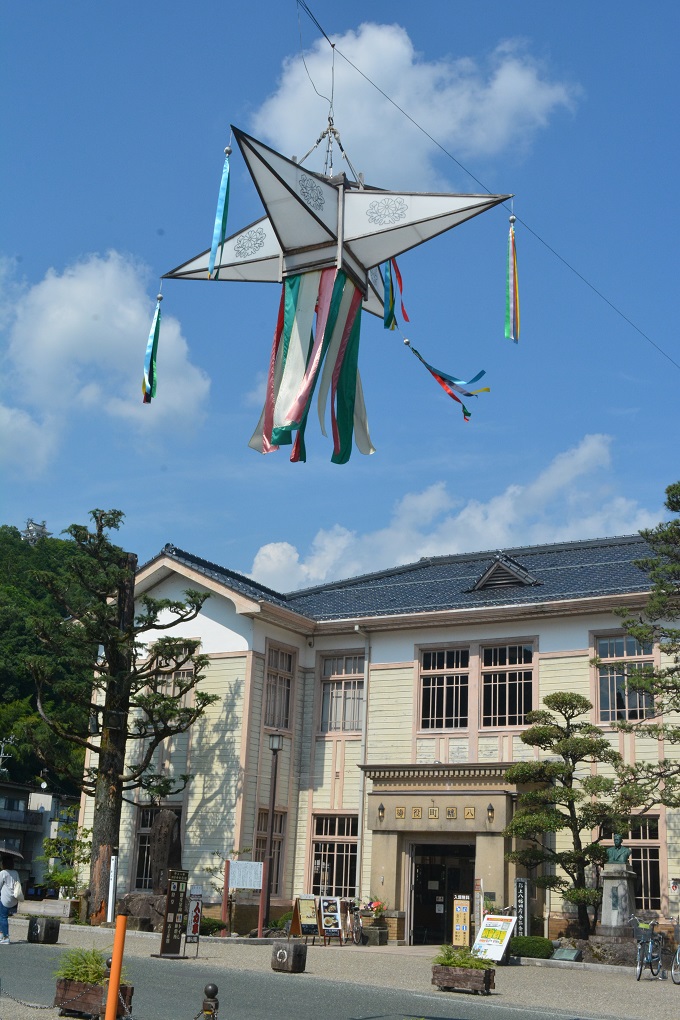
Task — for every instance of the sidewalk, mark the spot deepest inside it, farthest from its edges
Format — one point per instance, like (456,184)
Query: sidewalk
(571,989)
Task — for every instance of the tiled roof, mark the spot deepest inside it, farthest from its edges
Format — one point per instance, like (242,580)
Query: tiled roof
(570,570)
(564,571)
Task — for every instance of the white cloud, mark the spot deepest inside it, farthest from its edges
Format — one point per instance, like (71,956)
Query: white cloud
(473,109)
(569,499)
(75,342)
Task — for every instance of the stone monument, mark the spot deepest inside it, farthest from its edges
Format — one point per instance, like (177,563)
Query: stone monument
(147,910)
(618,891)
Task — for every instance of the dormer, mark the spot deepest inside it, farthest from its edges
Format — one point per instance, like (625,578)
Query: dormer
(504,572)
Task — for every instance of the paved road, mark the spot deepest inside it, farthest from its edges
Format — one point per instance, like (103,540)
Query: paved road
(342,983)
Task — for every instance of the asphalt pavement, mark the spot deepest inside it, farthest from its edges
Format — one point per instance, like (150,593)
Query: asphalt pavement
(342,983)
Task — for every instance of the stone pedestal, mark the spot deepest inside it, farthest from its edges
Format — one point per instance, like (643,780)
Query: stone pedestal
(290,957)
(44,929)
(618,899)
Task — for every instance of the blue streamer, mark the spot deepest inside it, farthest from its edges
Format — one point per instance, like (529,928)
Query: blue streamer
(220,229)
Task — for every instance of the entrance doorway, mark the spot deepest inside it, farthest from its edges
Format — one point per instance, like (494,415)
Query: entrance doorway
(439,872)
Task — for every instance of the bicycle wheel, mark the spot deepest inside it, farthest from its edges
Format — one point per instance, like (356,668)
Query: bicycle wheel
(640,961)
(655,959)
(357,930)
(675,968)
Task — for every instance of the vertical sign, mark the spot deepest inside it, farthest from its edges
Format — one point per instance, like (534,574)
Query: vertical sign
(522,905)
(194,914)
(175,913)
(479,904)
(330,917)
(461,921)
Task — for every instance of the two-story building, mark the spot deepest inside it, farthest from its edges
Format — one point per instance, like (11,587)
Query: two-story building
(401,697)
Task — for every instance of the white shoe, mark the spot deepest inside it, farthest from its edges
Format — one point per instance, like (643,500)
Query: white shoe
(4,942)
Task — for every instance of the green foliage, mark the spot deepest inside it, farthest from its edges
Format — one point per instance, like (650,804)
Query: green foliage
(71,848)
(533,946)
(564,796)
(659,782)
(211,926)
(280,922)
(86,965)
(460,956)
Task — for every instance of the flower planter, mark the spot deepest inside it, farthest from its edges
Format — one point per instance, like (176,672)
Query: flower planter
(77,996)
(464,978)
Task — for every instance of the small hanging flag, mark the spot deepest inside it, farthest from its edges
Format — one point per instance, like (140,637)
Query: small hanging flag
(149,380)
(389,318)
(220,228)
(449,383)
(511,288)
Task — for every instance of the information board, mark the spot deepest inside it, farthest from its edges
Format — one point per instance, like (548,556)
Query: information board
(330,917)
(245,874)
(305,919)
(522,905)
(195,912)
(461,921)
(174,923)
(493,936)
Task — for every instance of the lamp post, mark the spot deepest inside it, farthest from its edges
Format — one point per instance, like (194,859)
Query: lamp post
(275,745)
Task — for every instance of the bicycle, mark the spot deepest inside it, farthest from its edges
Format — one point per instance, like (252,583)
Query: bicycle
(650,946)
(675,965)
(353,925)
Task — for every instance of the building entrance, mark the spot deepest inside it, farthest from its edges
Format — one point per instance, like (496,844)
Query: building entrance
(439,872)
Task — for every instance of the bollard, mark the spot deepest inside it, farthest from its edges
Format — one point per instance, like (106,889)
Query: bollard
(210,1003)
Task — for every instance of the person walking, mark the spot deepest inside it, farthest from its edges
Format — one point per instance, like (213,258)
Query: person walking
(8,901)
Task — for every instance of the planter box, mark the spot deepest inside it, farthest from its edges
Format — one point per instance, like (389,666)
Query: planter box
(466,978)
(77,996)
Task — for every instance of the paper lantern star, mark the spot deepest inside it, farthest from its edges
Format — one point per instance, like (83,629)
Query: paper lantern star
(314,222)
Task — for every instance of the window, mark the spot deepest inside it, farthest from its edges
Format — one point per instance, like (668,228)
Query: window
(342,693)
(643,840)
(278,833)
(506,686)
(334,855)
(617,699)
(12,803)
(143,879)
(444,689)
(279,685)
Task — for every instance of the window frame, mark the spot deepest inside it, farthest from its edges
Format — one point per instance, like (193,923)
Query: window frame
(278,845)
(504,692)
(340,849)
(142,846)
(455,687)
(645,860)
(342,695)
(279,718)
(643,704)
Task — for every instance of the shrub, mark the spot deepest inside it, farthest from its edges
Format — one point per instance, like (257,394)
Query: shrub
(452,956)
(85,965)
(211,925)
(280,922)
(534,946)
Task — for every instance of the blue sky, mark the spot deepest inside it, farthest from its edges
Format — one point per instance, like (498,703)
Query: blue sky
(115,117)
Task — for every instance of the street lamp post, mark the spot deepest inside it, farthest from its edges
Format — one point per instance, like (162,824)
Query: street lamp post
(275,745)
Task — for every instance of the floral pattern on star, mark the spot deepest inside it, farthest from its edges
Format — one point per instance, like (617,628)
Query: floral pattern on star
(249,243)
(311,193)
(387,210)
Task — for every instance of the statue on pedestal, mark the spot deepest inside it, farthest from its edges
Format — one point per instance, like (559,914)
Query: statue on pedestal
(618,854)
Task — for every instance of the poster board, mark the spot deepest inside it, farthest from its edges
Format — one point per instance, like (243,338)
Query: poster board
(330,917)
(245,874)
(493,936)
(305,919)
(461,921)
(195,913)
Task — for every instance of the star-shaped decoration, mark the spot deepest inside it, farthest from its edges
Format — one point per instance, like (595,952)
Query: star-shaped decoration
(314,222)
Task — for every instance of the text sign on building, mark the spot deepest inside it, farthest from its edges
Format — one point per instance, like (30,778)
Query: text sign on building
(493,936)
(245,874)
(522,905)
(461,921)
(175,921)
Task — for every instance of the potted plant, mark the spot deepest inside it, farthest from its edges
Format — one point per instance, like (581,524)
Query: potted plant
(456,967)
(82,984)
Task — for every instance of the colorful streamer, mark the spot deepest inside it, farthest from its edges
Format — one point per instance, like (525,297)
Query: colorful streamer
(220,228)
(450,384)
(511,289)
(389,317)
(306,355)
(149,380)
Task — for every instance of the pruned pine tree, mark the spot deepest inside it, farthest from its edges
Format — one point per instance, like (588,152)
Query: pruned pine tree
(562,798)
(139,692)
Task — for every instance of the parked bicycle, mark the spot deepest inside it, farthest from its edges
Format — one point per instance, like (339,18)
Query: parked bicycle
(675,964)
(353,925)
(649,948)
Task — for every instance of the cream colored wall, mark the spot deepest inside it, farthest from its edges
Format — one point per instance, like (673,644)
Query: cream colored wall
(391,715)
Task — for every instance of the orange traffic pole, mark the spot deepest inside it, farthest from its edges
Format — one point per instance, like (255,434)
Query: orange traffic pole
(116,967)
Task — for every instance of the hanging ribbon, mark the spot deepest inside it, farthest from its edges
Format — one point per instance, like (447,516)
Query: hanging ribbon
(149,380)
(511,289)
(389,318)
(220,228)
(450,384)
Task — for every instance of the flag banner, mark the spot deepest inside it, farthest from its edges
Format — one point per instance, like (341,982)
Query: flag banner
(512,289)
(149,380)
(220,228)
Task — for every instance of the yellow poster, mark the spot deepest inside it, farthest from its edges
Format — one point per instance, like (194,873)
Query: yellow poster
(461,921)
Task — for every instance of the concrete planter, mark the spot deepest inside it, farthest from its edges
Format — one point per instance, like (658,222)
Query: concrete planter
(80,997)
(468,979)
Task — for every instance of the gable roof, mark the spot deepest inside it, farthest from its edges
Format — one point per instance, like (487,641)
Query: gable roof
(566,571)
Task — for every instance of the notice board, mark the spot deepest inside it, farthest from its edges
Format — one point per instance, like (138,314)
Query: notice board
(461,921)
(493,936)
(175,921)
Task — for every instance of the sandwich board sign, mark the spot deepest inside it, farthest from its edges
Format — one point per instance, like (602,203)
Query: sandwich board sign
(493,936)
(305,919)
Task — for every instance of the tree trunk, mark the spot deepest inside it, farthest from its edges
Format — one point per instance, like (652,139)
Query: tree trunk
(108,797)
